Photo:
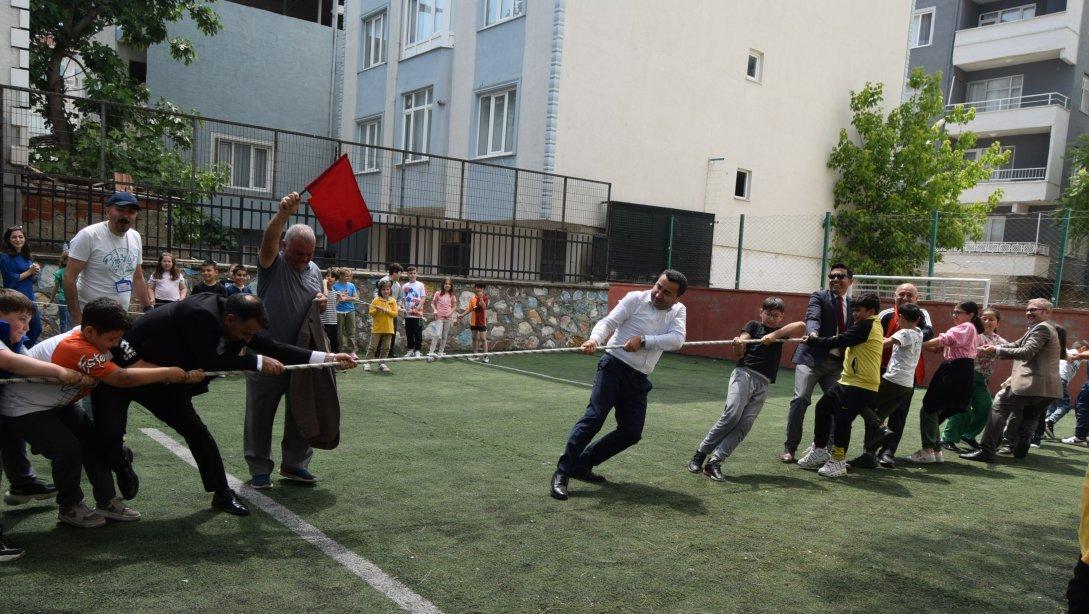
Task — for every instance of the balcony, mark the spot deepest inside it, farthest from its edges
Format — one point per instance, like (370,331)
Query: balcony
(1018,185)
(995,260)
(1030,114)
(1047,37)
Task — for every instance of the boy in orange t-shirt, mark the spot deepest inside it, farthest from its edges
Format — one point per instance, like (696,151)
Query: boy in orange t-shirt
(478,323)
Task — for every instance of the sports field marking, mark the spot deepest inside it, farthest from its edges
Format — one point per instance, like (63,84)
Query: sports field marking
(389,586)
(535,374)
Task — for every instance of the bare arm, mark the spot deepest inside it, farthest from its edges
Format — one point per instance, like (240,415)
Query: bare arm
(32,367)
(139,284)
(71,297)
(739,344)
(133,376)
(270,241)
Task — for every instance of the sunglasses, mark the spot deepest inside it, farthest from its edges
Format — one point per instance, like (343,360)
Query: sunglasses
(14,228)
(837,276)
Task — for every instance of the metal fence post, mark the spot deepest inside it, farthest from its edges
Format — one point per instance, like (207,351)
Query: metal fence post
(740,247)
(933,243)
(1062,258)
(824,250)
(513,224)
(461,193)
(669,243)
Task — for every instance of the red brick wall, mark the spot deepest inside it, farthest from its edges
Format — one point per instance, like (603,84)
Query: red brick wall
(720,314)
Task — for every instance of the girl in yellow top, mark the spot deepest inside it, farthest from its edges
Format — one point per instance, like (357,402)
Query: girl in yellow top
(383,317)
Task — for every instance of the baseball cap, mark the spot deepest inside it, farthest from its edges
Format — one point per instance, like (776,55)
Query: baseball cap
(123,199)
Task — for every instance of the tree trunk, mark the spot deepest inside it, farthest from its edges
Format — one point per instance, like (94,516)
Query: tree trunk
(54,102)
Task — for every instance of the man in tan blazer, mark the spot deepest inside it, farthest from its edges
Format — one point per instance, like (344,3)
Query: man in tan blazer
(1032,386)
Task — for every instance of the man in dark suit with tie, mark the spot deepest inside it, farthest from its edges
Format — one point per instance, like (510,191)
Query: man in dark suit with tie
(207,332)
(828,314)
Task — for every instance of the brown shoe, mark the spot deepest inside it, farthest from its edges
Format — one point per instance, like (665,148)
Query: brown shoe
(787,456)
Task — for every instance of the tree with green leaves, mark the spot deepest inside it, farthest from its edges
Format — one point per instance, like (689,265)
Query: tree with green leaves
(1076,195)
(898,171)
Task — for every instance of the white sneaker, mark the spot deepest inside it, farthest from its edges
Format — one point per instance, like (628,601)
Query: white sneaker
(814,458)
(923,457)
(431,357)
(487,359)
(833,469)
(1075,441)
(367,367)
(79,515)
(383,368)
(1034,445)
(116,510)
(938,456)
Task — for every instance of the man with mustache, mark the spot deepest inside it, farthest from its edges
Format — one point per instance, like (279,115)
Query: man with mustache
(104,259)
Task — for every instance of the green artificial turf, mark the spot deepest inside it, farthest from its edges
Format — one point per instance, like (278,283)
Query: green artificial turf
(441,480)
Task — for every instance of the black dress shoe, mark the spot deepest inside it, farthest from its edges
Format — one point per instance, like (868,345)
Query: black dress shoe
(713,470)
(887,459)
(952,447)
(588,475)
(559,486)
(879,437)
(979,455)
(227,501)
(696,464)
(863,461)
(970,442)
(128,483)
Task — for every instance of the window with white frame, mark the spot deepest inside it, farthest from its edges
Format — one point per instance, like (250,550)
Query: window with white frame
(997,94)
(374,40)
(496,11)
(976,153)
(742,184)
(1085,94)
(994,229)
(1019,13)
(922,28)
(249,163)
(369,133)
(495,124)
(417,124)
(425,21)
(754,71)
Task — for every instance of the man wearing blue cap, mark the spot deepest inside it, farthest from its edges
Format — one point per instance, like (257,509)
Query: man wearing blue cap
(104,259)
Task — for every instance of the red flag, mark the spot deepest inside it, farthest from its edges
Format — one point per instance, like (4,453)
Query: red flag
(337,201)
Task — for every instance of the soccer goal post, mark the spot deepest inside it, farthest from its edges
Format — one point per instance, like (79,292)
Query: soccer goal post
(950,289)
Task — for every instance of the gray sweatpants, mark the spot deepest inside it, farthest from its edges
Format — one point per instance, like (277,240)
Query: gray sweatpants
(744,399)
(263,394)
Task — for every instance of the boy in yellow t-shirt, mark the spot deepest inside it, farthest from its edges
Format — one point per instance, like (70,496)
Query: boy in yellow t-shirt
(383,316)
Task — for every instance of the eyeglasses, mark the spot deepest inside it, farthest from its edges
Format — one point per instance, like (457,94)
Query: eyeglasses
(957,312)
(1032,309)
(836,276)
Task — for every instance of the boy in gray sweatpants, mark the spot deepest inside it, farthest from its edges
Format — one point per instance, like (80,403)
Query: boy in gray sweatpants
(748,386)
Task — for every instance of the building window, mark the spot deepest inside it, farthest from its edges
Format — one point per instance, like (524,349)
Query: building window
(495,126)
(994,229)
(249,163)
(399,244)
(426,22)
(922,28)
(755,69)
(496,11)
(369,133)
(996,94)
(455,250)
(1019,13)
(742,184)
(975,154)
(1085,94)
(417,124)
(374,40)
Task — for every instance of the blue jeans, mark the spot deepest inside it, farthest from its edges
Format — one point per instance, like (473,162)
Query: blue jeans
(1061,406)
(616,385)
(1081,413)
(63,321)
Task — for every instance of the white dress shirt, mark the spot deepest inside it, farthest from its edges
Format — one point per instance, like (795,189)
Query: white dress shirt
(635,316)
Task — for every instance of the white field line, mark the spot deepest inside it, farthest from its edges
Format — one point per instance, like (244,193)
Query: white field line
(400,594)
(535,374)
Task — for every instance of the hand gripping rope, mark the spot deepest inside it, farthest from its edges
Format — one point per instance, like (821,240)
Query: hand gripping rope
(330,365)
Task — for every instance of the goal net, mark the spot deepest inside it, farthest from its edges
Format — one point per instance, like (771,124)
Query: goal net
(949,289)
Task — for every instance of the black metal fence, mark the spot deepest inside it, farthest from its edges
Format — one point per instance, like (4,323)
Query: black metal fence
(445,215)
(643,240)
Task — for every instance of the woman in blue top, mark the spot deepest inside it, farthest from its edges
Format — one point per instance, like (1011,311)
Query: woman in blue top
(20,272)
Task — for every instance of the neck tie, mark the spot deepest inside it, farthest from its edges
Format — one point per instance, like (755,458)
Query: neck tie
(841,324)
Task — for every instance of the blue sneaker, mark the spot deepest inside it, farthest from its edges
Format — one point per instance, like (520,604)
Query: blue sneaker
(261,481)
(298,475)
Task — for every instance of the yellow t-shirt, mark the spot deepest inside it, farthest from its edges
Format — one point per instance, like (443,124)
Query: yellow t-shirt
(382,321)
(862,362)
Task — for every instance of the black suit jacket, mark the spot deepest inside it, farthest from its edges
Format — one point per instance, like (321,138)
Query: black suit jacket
(188,334)
(820,318)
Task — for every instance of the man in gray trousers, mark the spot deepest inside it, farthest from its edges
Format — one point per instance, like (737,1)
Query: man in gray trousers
(287,282)
(828,314)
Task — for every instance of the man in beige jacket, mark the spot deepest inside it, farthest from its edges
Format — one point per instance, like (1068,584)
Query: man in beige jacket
(1033,384)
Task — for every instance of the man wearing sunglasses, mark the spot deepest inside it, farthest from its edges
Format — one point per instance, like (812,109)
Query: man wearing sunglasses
(1032,386)
(828,314)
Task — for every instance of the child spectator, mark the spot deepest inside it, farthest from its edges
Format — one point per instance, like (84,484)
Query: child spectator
(329,316)
(1068,369)
(443,304)
(16,312)
(383,313)
(965,427)
(166,283)
(897,383)
(478,310)
(20,272)
(748,387)
(240,281)
(209,280)
(48,418)
(347,297)
(413,294)
(950,390)
(63,323)
(394,281)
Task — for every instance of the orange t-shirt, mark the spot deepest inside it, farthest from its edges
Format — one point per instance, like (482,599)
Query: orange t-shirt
(479,307)
(69,350)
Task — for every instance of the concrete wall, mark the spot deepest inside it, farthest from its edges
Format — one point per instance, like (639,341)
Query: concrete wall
(938,55)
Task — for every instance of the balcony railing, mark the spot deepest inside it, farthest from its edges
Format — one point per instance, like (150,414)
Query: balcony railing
(1017,102)
(1019,174)
(1003,247)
